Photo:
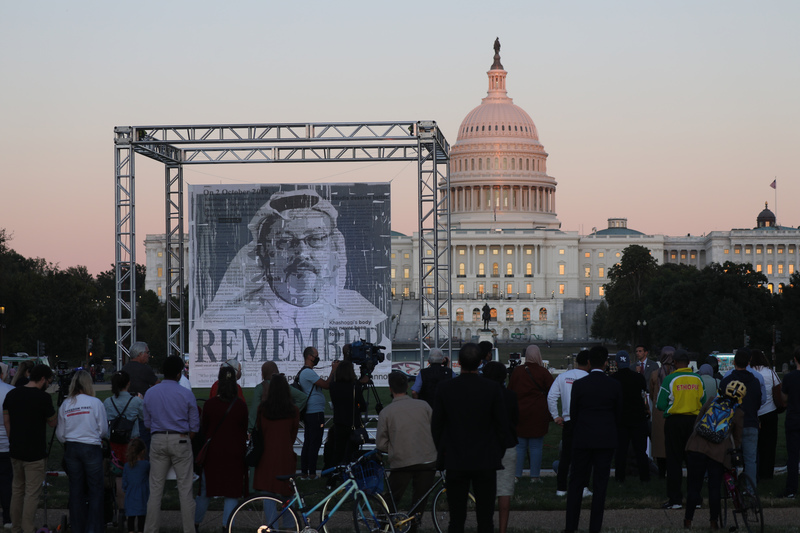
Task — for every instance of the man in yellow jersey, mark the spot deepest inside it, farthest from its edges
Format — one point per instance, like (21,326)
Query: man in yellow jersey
(681,396)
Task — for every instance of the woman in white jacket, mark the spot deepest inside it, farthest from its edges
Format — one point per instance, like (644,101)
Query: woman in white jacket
(82,424)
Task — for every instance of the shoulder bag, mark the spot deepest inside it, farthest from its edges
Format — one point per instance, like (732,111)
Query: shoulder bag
(777,394)
(296,385)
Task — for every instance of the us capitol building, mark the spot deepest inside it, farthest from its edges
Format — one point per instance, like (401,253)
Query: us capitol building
(508,249)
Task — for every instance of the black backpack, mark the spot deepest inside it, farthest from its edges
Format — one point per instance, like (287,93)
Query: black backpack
(120,428)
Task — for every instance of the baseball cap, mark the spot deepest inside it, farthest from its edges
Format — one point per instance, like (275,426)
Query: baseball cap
(623,359)
(681,355)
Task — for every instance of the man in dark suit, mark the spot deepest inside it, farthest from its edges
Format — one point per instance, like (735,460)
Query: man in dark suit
(596,411)
(470,427)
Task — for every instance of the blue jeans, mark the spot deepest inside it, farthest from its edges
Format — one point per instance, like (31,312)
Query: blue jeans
(84,466)
(201,504)
(750,452)
(533,446)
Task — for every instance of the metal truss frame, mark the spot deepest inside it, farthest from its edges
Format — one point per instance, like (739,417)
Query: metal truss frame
(177,146)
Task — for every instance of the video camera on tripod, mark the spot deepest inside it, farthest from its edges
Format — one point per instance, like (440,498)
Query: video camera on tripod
(366,355)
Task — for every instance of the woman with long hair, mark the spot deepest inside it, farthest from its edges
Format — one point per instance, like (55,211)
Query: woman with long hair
(82,425)
(279,420)
(658,445)
(531,382)
(767,418)
(268,369)
(224,421)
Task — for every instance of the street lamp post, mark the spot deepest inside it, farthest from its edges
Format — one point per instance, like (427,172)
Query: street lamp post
(640,326)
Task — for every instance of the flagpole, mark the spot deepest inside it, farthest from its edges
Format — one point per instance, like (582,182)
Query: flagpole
(776,201)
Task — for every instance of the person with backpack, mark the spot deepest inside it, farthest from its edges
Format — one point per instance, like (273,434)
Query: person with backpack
(123,412)
(750,406)
(314,419)
(428,379)
(704,456)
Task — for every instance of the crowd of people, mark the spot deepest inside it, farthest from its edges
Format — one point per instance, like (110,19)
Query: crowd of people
(482,428)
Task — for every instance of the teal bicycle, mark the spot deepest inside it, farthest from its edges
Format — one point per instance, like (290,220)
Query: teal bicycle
(358,494)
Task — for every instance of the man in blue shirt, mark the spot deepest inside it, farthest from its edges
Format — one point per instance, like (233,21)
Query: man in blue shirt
(314,420)
(170,412)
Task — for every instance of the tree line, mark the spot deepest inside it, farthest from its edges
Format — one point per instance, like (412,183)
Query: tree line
(55,311)
(720,307)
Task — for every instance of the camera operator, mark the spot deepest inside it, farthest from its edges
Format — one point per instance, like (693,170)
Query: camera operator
(428,379)
(347,399)
(314,420)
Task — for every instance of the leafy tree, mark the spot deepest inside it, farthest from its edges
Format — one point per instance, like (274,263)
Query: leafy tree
(600,322)
(789,309)
(672,309)
(625,291)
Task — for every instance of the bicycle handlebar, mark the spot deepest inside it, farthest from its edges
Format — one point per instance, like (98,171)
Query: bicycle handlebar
(349,465)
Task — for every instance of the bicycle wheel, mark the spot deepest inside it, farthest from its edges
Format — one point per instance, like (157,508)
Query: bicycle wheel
(751,510)
(726,502)
(379,520)
(262,514)
(342,519)
(441,511)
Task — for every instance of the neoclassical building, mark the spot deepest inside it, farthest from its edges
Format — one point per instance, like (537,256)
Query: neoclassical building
(508,248)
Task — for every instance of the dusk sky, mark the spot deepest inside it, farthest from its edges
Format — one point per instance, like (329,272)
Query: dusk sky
(677,115)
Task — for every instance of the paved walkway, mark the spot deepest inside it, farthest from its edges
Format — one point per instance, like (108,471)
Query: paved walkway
(787,519)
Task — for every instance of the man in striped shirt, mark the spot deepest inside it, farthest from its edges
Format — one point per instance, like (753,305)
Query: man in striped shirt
(681,396)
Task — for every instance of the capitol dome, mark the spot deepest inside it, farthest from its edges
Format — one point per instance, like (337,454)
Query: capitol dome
(766,218)
(498,167)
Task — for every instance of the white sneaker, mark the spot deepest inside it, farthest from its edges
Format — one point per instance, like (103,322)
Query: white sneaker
(8,526)
(586,492)
(561,493)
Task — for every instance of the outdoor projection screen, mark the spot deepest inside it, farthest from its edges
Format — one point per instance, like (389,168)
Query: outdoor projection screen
(276,268)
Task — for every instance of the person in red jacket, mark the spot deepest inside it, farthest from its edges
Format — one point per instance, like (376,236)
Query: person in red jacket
(531,382)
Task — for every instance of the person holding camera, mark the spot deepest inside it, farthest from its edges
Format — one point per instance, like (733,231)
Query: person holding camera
(314,421)
(26,411)
(347,399)
(82,425)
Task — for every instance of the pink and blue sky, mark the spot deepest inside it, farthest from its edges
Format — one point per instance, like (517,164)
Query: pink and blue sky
(677,115)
